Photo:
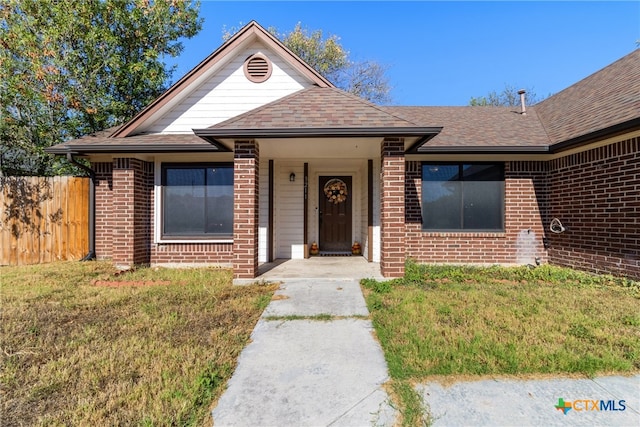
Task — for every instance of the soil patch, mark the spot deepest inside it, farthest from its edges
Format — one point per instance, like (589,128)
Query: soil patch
(121,283)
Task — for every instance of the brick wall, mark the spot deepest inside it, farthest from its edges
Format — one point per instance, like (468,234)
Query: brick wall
(122,213)
(125,220)
(131,210)
(245,209)
(392,208)
(521,242)
(596,196)
(198,253)
(143,204)
(104,209)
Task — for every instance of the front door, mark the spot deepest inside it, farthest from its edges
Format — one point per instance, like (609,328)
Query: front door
(335,213)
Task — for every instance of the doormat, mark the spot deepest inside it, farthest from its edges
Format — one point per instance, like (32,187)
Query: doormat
(335,253)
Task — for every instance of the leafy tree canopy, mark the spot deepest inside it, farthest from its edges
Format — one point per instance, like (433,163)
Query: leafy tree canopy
(326,55)
(69,68)
(508,97)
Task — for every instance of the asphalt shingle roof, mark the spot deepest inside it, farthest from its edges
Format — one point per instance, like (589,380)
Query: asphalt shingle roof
(478,126)
(104,142)
(606,98)
(316,107)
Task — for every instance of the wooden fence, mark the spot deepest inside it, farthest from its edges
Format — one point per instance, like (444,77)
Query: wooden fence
(43,219)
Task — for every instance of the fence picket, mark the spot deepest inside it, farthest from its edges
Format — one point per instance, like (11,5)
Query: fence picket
(43,219)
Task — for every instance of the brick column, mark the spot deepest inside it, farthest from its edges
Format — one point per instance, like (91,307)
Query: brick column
(131,207)
(104,209)
(245,209)
(392,228)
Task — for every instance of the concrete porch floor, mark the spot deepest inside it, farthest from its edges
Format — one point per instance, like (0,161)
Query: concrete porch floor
(348,267)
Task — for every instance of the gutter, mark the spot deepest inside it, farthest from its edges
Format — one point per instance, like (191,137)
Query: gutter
(611,131)
(92,207)
(314,132)
(480,150)
(138,148)
(214,135)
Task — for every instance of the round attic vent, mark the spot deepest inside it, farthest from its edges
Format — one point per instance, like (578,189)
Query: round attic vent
(257,68)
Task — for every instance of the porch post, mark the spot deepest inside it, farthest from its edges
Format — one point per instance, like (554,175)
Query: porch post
(392,256)
(245,209)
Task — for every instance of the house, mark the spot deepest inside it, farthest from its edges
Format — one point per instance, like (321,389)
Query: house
(252,156)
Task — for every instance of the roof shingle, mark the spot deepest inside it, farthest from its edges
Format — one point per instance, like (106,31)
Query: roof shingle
(606,98)
(316,107)
(478,126)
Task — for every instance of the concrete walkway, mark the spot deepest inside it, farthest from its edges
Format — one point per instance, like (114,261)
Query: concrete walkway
(314,361)
(353,267)
(301,369)
(512,402)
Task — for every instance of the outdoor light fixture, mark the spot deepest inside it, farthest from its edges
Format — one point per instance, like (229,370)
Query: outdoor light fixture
(292,177)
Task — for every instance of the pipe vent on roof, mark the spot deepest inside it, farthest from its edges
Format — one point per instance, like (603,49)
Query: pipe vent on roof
(523,105)
(257,68)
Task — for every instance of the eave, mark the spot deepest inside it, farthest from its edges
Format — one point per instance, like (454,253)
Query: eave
(214,135)
(479,150)
(137,148)
(611,131)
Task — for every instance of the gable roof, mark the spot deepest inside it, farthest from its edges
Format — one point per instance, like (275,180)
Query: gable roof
(599,106)
(605,102)
(249,32)
(317,112)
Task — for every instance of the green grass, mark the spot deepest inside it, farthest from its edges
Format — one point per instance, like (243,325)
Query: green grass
(76,353)
(442,320)
(413,411)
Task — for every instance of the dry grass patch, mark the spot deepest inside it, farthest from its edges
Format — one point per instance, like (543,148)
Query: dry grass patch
(76,352)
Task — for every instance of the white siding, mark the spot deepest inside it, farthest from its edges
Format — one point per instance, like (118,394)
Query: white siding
(229,93)
(288,206)
(376,210)
(364,231)
(263,213)
(357,170)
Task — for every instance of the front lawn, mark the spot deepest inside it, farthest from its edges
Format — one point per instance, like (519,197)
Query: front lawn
(465,321)
(82,346)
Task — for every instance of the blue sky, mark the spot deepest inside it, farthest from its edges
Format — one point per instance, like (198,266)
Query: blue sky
(443,53)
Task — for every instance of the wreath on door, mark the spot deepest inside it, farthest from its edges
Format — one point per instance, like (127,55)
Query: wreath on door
(336,190)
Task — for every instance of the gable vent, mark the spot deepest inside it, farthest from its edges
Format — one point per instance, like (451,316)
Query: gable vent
(257,68)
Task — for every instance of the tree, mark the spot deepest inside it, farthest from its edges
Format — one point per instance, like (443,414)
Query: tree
(509,97)
(70,68)
(326,55)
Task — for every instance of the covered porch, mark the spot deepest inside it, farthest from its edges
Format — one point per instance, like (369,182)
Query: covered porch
(327,200)
(290,155)
(346,191)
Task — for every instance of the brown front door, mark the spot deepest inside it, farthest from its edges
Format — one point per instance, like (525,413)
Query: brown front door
(335,213)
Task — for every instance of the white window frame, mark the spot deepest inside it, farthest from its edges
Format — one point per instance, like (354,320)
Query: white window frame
(157,208)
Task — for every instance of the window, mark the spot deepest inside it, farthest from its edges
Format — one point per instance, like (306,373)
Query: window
(197,200)
(463,197)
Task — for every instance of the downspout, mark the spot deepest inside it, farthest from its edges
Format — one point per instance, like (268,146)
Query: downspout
(92,207)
